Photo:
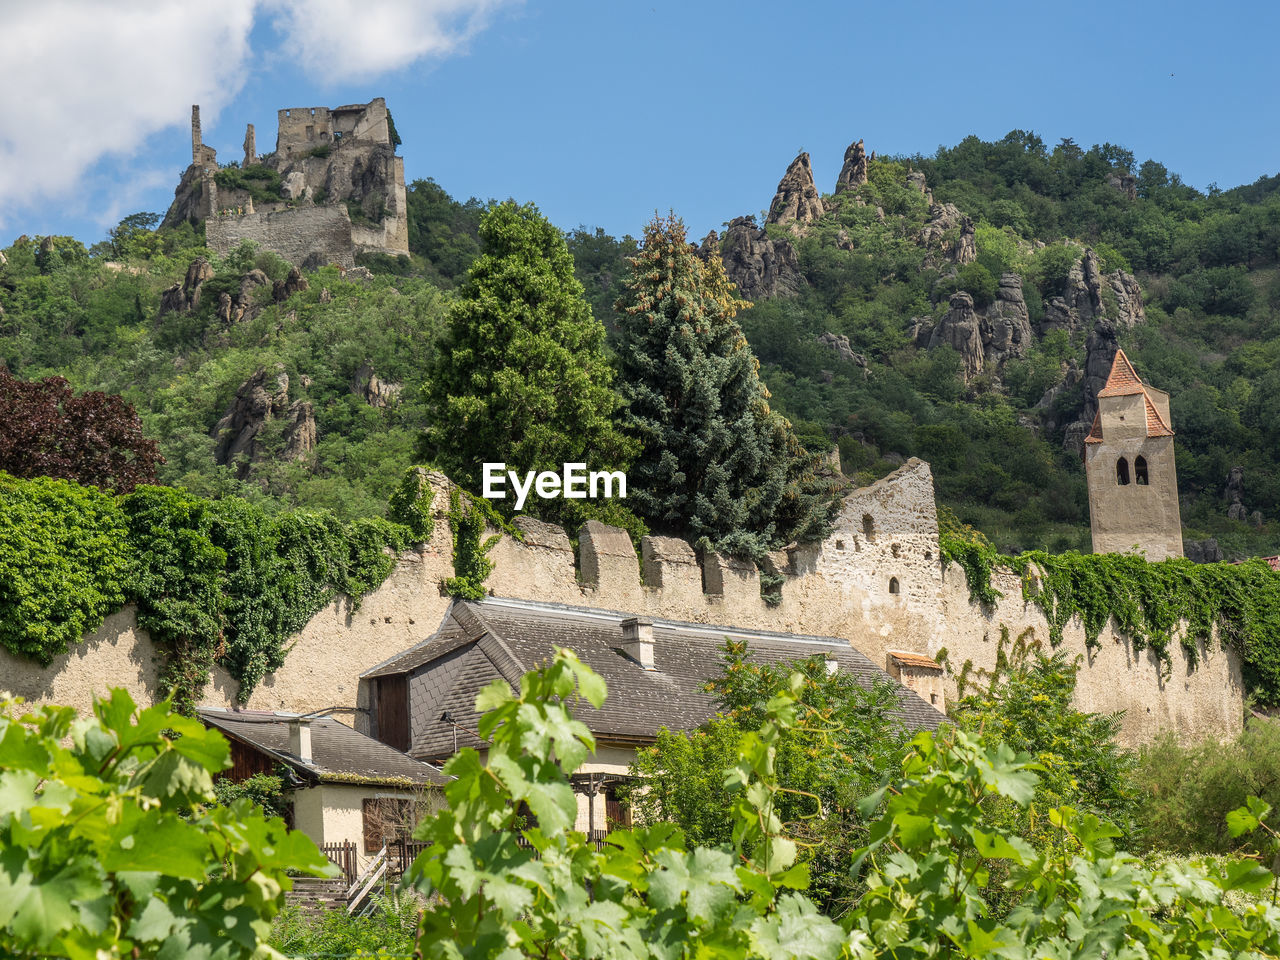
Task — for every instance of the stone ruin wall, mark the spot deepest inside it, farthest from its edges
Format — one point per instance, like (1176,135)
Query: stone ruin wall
(309,236)
(839,587)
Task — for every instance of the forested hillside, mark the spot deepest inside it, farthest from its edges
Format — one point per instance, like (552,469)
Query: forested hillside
(307,390)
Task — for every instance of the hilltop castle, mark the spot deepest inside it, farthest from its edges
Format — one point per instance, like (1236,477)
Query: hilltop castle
(332,188)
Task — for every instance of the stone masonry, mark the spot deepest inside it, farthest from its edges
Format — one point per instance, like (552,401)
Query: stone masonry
(877,580)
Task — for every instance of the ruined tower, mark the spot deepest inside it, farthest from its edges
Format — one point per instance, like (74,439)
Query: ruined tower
(250,146)
(197,140)
(1133,487)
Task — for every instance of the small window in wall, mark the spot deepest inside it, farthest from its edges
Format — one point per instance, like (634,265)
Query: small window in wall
(386,819)
(839,544)
(1122,472)
(897,550)
(893,585)
(928,554)
(1140,471)
(311,132)
(868,526)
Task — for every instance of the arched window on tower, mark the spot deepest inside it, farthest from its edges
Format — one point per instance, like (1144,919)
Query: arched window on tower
(1140,470)
(893,585)
(1122,472)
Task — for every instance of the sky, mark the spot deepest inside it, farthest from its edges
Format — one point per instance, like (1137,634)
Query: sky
(604,112)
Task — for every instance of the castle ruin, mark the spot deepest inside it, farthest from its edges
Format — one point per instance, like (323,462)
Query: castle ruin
(332,188)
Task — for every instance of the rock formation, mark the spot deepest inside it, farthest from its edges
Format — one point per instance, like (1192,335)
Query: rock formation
(945,219)
(1126,183)
(959,329)
(986,340)
(759,265)
(262,398)
(243,305)
(839,343)
(797,200)
(1203,551)
(1235,485)
(282,290)
(1006,327)
(854,172)
(376,391)
(185,296)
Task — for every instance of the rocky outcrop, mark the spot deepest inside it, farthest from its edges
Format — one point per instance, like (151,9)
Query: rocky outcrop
(1125,183)
(759,265)
(797,200)
(854,172)
(282,290)
(376,391)
(1006,327)
(986,340)
(839,344)
(916,181)
(1235,485)
(262,398)
(243,305)
(950,233)
(960,330)
(1202,551)
(185,296)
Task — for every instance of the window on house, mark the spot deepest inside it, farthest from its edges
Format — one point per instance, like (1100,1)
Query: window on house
(1140,471)
(1122,472)
(893,585)
(386,819)
(868,526)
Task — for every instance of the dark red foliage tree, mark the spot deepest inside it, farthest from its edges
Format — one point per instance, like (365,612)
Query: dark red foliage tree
(95,438)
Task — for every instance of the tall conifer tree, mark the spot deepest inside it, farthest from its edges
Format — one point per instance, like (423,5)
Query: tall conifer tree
(521,374)
(718,463)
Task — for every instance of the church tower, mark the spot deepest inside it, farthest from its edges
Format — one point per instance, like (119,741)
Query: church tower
(1128,461)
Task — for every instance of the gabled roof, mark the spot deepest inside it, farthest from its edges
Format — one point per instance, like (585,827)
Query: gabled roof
(1123,381)
(915,660)
(338,753)
(506,638)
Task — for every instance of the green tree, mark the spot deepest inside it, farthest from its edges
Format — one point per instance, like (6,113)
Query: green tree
(718,463)
(841,752)
(112,845)
(521,373)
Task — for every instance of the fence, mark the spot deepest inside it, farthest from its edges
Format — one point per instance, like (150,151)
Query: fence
(344,855)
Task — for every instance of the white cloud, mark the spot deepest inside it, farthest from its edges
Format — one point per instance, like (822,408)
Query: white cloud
(357,39)
(82,79)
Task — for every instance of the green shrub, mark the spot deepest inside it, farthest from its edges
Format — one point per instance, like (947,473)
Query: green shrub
(111,844)
(1187,791)
(64,564)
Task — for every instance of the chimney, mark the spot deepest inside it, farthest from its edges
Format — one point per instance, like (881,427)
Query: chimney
(637,641)
(300,738)
(832,664)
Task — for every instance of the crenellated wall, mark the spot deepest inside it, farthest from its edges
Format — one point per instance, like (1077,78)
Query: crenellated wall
(877,580)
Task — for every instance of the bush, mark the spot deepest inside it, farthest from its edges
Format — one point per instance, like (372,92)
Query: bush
(111,844)
(1189,790)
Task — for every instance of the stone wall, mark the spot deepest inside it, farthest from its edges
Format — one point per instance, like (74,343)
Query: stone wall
(885,535)
(308,236)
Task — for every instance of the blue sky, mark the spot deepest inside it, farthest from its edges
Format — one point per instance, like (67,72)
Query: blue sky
(603,112)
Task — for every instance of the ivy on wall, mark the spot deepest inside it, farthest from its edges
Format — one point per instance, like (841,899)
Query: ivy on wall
(1148,601)
(471,565)
(215,581)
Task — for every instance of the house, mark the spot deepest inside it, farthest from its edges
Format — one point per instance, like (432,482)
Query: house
(423,701)
(347,787)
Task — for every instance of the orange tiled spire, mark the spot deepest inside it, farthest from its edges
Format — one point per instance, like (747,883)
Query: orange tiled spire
(1123,381)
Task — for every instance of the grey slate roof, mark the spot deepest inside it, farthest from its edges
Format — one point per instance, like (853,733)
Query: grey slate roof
(480,641)
(338,753)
